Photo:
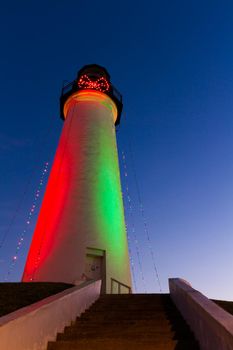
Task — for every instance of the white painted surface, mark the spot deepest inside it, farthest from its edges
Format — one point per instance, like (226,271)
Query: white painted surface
(212,326)
(82,206)
(31,327)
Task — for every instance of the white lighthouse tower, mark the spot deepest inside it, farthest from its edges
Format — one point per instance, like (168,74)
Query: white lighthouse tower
(80,233)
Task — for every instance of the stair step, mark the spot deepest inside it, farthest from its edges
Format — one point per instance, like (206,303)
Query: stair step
(145,335)
(153,323)
(159,336)
(115,344)
(136,330)
(128,322)
(112,317)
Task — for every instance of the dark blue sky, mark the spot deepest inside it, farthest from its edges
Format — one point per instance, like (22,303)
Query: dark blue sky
(173,63)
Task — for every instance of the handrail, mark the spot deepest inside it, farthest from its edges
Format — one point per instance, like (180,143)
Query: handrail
(119,286)
(73,87)
(35,324)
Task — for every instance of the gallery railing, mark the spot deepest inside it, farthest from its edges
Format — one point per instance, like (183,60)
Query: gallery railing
(119,286)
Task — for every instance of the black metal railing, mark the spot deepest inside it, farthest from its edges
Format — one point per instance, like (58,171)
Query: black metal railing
(67,87)
(71,87)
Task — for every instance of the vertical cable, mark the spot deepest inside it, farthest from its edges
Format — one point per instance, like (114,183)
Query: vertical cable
(132,222)
(141,208)
(28,221)
(21,199)
(130,251)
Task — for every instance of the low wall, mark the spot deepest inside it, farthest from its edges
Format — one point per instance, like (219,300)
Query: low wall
(212,326)
(31,327)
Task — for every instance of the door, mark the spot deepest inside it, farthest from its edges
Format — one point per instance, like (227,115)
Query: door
(95,266)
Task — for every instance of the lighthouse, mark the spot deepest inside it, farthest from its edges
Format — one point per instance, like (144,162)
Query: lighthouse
(80,233)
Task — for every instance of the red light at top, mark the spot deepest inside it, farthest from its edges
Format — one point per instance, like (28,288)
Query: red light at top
(100,84)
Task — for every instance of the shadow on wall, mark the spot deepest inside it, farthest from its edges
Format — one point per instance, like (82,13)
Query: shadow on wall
(182,333)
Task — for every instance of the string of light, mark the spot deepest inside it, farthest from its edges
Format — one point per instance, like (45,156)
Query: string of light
(132,221)
(29,181)
(100,84)
(18,208)
(130,250)
(28,221)
(142,211)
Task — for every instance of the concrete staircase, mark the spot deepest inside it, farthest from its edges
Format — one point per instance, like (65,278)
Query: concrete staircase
(128,322)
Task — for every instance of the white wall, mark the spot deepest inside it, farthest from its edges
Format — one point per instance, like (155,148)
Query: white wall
(82,206)
(31,327)
(212,326)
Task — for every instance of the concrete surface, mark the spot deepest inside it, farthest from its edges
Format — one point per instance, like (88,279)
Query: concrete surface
(31,327)
(212,326)
(128,322)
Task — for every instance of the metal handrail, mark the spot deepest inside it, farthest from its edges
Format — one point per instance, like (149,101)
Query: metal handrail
(67,87)
(119,286)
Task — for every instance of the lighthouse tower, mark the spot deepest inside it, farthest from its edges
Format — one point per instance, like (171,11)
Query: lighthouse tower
(80,233)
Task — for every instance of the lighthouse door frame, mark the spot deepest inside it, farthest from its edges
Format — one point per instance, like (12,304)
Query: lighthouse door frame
(95,265)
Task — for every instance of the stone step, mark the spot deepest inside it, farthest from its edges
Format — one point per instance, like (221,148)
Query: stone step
(128,322)
(136,296)
(136,328)
(136,310)
(130,316)
(131,334)
(122,330)
(119,330)
(117,335)
(115,344)
(136,304)
(114,316)
(128,306)
(127,317)
(122,324)
(151,323)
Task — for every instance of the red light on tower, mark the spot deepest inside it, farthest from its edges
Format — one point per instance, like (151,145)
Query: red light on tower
(100,84)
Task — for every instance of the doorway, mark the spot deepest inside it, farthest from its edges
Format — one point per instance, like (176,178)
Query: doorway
(95,266)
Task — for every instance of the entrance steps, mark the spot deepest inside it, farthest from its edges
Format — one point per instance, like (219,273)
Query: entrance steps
(128,321)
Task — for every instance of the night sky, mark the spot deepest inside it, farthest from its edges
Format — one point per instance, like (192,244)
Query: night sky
(173,63)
